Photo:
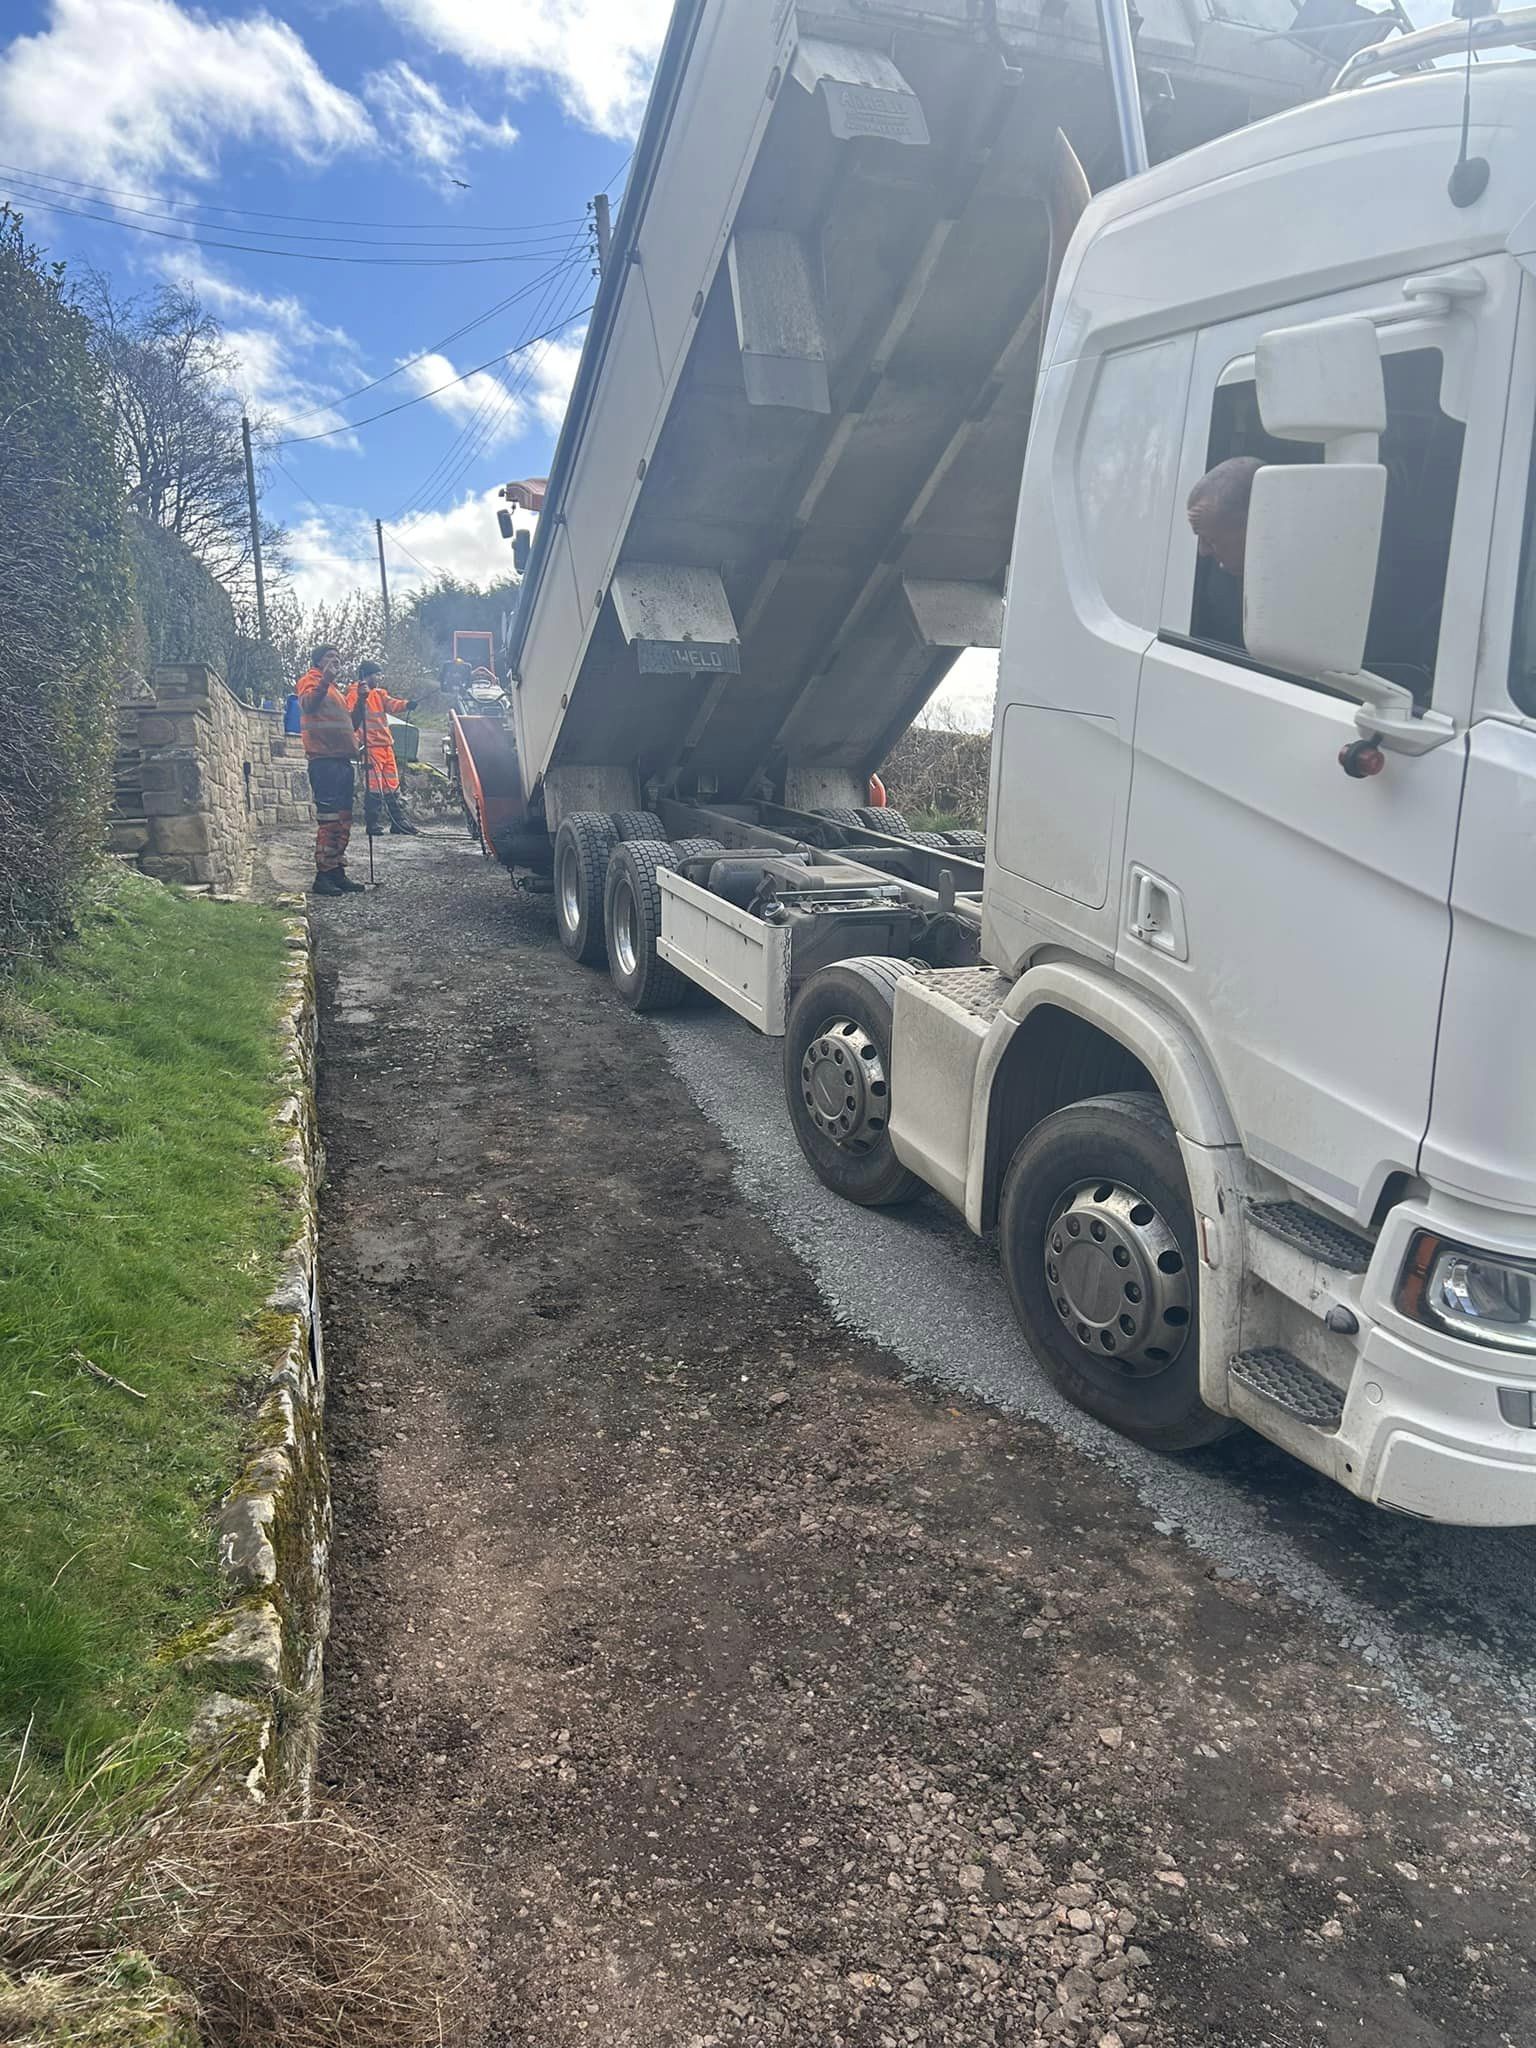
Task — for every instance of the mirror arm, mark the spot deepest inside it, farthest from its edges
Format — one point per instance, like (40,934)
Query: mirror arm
(1388,715)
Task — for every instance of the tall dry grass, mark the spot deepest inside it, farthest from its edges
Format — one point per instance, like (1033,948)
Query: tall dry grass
(285,1930)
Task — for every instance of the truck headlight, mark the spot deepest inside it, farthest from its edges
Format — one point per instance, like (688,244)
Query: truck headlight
(1474,1295)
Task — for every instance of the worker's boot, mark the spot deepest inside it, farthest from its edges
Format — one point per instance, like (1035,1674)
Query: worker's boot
(326,884)
(345,886)
(399,816)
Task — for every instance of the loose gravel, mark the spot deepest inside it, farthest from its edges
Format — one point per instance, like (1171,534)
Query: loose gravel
(761,1689)
(1447,1615)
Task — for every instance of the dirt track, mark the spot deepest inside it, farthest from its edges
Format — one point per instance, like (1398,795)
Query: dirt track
(759,1695)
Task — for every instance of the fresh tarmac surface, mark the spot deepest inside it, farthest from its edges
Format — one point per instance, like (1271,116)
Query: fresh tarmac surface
(723,1598)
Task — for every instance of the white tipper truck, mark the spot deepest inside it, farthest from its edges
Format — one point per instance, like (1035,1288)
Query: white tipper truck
(1229,1032)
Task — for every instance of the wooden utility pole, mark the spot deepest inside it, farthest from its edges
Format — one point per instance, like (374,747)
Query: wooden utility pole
(604,231)
(378,530)
(250,492)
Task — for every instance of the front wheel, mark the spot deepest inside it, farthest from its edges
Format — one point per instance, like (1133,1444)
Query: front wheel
(837,1080)
(1098,1245)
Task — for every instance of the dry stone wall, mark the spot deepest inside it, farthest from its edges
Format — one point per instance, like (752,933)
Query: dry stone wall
(200,776)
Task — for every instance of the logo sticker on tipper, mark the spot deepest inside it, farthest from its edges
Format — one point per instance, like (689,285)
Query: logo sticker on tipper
(855,110)
(679,657)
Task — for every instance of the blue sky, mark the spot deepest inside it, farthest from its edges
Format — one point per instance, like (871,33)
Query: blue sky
(355,111)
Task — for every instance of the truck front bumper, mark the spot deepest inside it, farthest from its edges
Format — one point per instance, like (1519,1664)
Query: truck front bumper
(1428,1436)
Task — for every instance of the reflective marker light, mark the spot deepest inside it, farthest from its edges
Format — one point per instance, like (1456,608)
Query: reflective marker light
(1472,1295)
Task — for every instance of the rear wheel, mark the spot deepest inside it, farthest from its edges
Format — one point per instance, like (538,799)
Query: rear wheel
(694,849)
(582,846)
(837,1080)
(933,839)
(1098,1244)
(966,842)
(839,814)
(632,921)
(884,819)
(638,825)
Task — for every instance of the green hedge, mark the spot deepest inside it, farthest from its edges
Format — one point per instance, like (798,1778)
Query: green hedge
(64,598)
(185,614)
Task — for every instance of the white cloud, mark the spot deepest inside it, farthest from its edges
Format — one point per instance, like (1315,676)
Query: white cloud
(135,88)
(411,110)
(965,697)
(329,556)
(465,541)
(480,400)
(291,365)
(595,56)
(554,372)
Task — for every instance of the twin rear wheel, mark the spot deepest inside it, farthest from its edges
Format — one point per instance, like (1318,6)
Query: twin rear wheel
(1097,1233)
(608,900)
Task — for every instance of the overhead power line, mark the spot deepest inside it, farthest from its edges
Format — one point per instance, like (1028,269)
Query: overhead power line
(107,220)
(313,220)
(351,426)
(485,422)
(38,194)
(445,341)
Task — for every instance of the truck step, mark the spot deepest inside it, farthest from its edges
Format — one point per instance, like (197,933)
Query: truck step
(1295,1387)
(980,990)
(1331,1244)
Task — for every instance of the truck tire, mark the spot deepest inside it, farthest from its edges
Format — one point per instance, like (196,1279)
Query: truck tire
(638,825)
(837,1061)
(582,846)
(694,849)
(934,839)
(839,814)
(1099,1252)
(884,819)
(632,923)
(966,842)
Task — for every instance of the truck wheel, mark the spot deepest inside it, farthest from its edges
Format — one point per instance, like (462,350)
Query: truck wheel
(1098,1244)
(693,849)
(839,814)
(885,820)
(582,845)
(638,825)
(632,921)
(968,842)
(934,839)
(837,1066)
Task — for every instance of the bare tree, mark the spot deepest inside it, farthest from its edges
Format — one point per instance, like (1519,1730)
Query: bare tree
(171,383)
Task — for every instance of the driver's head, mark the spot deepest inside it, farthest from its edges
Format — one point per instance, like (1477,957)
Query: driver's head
(1218,511)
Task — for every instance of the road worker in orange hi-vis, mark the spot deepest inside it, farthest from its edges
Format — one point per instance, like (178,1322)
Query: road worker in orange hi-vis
(330,742)
(372,707)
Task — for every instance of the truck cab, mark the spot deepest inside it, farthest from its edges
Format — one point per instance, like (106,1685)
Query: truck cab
(1261,831)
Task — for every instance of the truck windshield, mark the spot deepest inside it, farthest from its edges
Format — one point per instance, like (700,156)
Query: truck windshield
(1522,655)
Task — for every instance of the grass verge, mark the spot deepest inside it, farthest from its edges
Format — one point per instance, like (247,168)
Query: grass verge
(142,1210)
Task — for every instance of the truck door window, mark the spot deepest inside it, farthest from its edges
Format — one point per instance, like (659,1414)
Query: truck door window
(1522,658)
(1421,449)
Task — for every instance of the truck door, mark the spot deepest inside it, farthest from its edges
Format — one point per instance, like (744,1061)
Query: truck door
(1298,919)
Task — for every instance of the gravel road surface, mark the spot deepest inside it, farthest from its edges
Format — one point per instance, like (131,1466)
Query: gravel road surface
(721,1594)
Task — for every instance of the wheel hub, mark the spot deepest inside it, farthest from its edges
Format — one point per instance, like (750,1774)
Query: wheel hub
(842,1078)
(1117,1277)
(570,888)
(625,921)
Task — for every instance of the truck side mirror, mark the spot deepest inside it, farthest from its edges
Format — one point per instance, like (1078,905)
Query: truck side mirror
(504,522)
(1309,570)
(522,548)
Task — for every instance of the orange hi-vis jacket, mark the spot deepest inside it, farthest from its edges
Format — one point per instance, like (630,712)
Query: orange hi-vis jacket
(383,774)
(325,720)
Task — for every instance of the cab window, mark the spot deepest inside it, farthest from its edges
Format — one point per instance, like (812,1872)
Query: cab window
(1421,449)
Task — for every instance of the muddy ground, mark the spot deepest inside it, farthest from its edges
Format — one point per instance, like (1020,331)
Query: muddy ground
(758,1693)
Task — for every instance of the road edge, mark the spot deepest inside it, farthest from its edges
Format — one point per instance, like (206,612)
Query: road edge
(264,1653)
